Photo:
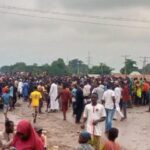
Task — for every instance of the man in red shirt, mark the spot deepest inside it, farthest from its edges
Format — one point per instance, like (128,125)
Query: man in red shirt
(65,97)
(125,98)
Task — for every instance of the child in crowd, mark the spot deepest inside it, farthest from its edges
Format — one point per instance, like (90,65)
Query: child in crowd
(7,135)
(111,144)
(39,131)
(6,101)
(84,138)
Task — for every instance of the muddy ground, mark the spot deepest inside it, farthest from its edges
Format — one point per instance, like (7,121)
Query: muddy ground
(63,135)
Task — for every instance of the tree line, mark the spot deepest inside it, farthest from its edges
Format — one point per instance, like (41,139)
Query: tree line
(75,66)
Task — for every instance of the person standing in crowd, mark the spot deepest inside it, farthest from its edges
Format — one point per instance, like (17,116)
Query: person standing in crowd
(118,96)
(87,92)
(111,143)
(65,97)
(41,89)
(54,105)
(11,93)
(74,91)
(25,91)
(1,87)
(84,138)
(39,131)
(47,99)
(26,137)
(138,93)
(133,90)
(94,114)
(145,92)
(110,106)
(7,135)
(20,86)
(99,89)
(14,96)
(35,98)
(125,98)
(60,88)
(31,85)
(6,98)
(148,101)
(79,103)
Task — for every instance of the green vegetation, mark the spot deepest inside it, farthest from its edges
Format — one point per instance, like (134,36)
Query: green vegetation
(58,67)
(75,66)
(102,69)
(130,66)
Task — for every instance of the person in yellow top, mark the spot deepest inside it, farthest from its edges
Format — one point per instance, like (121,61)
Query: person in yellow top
(35,98)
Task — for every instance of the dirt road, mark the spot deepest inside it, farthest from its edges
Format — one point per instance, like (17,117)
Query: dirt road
(63,135)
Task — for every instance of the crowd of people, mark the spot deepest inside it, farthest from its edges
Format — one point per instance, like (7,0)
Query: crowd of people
(93,100)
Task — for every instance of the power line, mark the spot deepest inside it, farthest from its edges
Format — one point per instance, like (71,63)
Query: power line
(125,62)
(145,60)
(89,59)
(75,21)
(74,14)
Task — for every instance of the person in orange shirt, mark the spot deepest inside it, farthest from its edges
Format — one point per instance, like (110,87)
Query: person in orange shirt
(35,98)
(111,144)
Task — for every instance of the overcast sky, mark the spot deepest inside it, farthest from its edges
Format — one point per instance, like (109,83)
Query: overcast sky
(40,40)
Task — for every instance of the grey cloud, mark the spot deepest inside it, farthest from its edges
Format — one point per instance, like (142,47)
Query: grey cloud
(92,5)
(40,40)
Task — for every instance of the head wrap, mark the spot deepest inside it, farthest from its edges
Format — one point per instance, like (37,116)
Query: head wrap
(33,142)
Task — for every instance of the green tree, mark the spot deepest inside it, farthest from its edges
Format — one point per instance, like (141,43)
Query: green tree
(45,68)
(102,69)
(77,66)
(18,67)
(130,66)
(5,69)
(58,67)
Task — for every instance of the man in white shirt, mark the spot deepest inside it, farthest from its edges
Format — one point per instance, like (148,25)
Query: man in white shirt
(99,89)
(109,103)
(87,92)
(20,87)
(54,105)
(94,113)
(118,98)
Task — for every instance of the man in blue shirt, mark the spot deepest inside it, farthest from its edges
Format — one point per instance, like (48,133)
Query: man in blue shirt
(6,101)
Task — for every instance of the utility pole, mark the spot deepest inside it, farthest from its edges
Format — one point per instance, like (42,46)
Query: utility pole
(145,60)
(125,58)
(88,61)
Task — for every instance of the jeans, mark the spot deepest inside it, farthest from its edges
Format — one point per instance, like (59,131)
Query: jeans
(109,117)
